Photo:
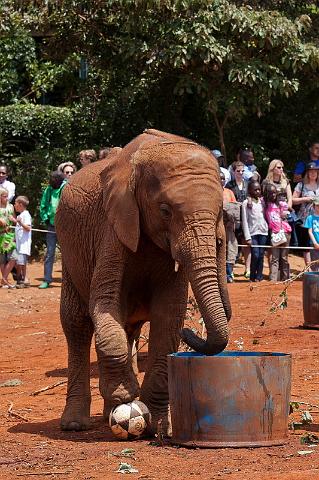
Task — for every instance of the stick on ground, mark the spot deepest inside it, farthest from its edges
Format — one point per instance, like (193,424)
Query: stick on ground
(49,387)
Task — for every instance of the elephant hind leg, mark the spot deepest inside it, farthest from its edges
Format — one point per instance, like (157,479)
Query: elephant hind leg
(78,329)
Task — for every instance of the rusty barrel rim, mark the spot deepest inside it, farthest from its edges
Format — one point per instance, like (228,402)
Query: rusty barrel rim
(229,444)
(229,353)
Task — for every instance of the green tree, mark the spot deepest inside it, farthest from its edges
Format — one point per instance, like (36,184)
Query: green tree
(236,58)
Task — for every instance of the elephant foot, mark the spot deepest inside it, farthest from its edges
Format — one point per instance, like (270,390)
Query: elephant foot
(118,393)
(75,417)
(160,424)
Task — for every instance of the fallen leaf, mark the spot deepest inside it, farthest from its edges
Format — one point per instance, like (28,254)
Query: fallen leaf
(11,383)
(126,468)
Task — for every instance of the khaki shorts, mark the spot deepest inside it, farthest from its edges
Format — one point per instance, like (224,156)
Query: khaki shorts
(6,257)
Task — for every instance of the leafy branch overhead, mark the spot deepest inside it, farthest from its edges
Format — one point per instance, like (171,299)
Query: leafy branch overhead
(236,58)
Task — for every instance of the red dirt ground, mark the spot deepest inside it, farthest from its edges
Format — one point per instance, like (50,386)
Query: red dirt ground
(33,350)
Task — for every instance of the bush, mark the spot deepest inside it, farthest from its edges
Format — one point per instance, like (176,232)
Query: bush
(34,140)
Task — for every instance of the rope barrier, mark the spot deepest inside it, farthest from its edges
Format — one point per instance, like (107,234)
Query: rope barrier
(243,246)
(35,230)
(271,246)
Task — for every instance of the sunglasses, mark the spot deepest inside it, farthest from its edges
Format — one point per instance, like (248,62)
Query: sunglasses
(279,166)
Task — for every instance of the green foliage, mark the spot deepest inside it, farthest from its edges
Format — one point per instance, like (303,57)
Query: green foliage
(235,59)
(193,67)
(26,127)
(34,140)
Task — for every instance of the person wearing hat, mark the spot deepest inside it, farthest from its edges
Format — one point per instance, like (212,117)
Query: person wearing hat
(221,162)
(302,166)
(303,196)
(312,224)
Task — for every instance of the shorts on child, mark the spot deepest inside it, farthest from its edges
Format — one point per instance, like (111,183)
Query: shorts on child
(22,259)
(6,257)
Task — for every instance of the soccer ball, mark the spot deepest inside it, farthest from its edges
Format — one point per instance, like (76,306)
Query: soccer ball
(129,420)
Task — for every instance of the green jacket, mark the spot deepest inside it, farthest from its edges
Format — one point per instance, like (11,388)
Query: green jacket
(49,203)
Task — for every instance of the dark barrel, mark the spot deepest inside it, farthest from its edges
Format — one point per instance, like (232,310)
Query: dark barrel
(310,296)
(233,399)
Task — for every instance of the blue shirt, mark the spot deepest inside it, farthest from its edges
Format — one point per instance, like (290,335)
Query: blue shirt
(301,167)
(312,221)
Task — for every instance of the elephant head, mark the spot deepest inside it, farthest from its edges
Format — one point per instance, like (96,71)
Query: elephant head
(169,188)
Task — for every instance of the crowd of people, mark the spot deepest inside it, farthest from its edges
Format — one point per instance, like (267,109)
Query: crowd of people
(257,213)
(268,212)
(16,222)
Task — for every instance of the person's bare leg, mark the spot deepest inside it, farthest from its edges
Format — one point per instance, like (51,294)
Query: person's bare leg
(7,269)
(306,256)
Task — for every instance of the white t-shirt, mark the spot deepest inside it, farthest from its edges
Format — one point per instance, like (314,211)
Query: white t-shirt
(10,186)
(23,238)
(226,174)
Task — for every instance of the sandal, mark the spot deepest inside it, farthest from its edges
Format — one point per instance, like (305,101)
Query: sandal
(6,284)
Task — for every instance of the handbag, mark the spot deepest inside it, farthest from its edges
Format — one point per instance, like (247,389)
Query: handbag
(278,238)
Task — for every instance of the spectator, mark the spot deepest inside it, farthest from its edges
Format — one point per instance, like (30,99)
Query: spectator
(8,253)
(221,162)
(301,166)
(246,156)
(49,203)
(312,223)
(231,217)
(86,157)
(276,212)
(277,177)
(5,183)
(239,187)
(303,195)
(255,229)
(67,169)
(103,153)
(23,239)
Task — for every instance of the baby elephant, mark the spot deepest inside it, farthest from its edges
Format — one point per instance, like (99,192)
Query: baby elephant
(134,229)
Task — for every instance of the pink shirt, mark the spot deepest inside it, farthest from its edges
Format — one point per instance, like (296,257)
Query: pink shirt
(273,216)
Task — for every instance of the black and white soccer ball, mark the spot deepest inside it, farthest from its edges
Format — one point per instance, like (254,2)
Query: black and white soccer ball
(129,420)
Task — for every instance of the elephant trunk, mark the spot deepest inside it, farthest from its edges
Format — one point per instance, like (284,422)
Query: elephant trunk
(205,272)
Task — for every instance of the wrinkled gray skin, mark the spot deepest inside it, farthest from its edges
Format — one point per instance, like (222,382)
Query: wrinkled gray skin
(122,223)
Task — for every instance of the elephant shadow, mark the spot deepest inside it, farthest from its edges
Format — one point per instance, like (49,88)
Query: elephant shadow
(98,432)
(63,372)
(94,372)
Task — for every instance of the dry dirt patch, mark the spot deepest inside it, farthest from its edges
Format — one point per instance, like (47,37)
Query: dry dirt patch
(33,351)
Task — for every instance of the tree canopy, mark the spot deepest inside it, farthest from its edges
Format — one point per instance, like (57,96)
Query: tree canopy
(163,63)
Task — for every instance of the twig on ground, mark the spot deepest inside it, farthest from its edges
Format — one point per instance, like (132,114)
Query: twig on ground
(304,403)
(49,387)
(12,413)
(282,302)
(44,473)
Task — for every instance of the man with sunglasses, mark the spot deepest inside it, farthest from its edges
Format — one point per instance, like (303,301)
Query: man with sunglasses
(5,183)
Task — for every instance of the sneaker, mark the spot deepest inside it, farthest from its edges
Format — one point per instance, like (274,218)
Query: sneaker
(230,279)
(20,285)
(44,285)
(247,274)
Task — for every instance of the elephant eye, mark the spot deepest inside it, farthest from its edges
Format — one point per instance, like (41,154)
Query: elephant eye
(166,211)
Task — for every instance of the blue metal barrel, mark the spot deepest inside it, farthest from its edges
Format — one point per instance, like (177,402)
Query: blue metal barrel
(310,296)
(234,399)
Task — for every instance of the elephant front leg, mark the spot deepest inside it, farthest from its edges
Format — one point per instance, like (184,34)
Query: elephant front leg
(167,318)
(118,383)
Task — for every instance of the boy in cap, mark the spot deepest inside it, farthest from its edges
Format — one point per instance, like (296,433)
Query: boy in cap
(312,223)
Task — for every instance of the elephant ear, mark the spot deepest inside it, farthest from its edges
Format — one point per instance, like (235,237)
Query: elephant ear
(119,200)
